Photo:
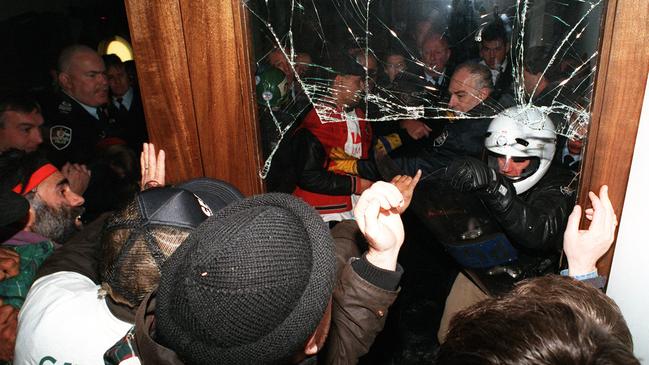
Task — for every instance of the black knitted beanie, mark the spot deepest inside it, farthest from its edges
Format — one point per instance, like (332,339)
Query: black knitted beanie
(249,285)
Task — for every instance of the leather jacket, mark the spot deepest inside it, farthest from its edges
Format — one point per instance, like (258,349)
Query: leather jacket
(536,219)
(534,222)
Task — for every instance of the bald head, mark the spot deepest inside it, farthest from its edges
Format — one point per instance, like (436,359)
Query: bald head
(69,54)
(82,75)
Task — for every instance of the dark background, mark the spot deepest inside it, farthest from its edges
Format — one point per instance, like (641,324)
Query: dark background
(34,31)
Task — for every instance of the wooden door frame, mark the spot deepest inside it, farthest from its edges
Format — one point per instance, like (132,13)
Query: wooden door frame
(617,102)
(195,75)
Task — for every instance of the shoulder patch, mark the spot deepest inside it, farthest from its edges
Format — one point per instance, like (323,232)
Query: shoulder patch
(60,136)
(65,107)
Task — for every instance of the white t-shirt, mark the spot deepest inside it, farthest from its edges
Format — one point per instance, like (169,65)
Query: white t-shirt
(64,321)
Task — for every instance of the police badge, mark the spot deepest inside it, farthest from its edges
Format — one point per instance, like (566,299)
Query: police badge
(65,107)
(60,136)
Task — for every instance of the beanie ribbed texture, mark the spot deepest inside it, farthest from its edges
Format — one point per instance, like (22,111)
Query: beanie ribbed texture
(249,285)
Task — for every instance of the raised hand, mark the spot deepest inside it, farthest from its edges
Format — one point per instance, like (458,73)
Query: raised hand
(78,177)
(377,214)
(584,247)
(406,186)
(152,167)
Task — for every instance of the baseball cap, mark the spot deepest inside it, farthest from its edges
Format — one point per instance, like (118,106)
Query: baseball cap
(137,240)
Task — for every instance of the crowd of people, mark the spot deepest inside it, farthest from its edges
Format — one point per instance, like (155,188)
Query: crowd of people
(102,261)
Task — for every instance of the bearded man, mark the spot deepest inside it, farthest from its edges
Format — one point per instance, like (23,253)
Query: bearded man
(51,220)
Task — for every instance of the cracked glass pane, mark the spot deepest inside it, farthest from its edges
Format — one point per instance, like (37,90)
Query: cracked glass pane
(540,53)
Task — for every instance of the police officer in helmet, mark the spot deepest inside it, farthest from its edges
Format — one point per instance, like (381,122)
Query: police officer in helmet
(523,197)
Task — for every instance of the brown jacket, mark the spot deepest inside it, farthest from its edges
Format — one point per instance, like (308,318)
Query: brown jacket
(361,299)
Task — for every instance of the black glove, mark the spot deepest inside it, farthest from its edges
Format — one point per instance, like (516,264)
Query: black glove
(470,174)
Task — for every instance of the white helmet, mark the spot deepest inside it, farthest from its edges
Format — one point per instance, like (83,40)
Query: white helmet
(521,134)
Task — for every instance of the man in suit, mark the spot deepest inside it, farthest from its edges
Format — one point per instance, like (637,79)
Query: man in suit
(435,53)
(125,102)
(494,53)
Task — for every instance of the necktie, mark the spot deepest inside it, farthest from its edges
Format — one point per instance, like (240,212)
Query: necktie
(121,107)
(101,114)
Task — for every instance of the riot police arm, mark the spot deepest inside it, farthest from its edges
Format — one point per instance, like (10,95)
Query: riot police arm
(536,222)
(310,159)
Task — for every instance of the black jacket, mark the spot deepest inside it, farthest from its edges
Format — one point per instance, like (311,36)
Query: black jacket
(533,222)
(71,133)
(459,137)
(132,124)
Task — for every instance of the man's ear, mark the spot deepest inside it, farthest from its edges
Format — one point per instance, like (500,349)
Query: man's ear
(311,347)
(316,341)
(484,93)
(64,81)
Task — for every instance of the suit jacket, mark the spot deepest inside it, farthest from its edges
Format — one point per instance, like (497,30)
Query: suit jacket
(132,122)
(435,93)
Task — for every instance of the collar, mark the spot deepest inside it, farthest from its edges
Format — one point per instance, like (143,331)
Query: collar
(92,110)
(127,99)
(495,72)
(150,351)
(437,79)
(500,69)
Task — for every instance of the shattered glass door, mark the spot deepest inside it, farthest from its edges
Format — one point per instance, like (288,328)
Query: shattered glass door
(540,53)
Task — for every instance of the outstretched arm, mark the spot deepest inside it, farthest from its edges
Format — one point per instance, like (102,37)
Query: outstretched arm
(535,221)
(366,285)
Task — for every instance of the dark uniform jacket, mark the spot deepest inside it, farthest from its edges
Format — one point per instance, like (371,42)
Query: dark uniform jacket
(533,222)
(361,299)
(71,133)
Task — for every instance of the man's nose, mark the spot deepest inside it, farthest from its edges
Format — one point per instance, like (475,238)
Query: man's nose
(74,199)
(507,165)
(453,102)
(37,136)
